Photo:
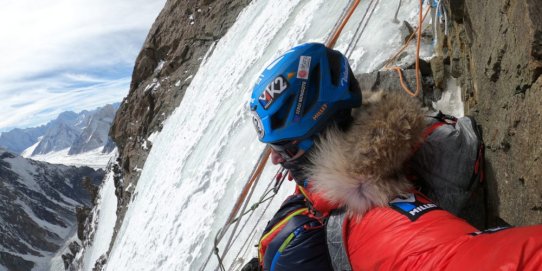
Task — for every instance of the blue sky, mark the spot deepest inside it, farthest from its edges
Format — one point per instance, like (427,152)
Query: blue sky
(60,55)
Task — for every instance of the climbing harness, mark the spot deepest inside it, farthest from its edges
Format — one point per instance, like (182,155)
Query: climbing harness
(267,196)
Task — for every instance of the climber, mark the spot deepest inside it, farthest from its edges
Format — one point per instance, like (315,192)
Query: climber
(348,161)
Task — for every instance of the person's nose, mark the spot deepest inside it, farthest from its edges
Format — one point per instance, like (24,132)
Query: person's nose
(276,158)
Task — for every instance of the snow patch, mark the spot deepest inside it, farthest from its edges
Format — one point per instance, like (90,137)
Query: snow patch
(159,67)
(26,172)
(154,86)
(94,159)
(105,223)
(153,136)
(451,102)
(28,152)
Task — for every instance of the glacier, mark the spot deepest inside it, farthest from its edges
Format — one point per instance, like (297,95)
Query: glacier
(207,149)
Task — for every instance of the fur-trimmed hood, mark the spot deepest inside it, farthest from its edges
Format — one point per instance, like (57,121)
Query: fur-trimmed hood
(363,167)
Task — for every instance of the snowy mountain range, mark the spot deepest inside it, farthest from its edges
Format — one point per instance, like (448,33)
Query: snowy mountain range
(38,203)
(78,132)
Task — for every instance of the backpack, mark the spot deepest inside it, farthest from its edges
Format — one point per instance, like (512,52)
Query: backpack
(448,166)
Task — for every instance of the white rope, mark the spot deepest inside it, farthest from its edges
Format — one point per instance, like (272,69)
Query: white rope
(364,22)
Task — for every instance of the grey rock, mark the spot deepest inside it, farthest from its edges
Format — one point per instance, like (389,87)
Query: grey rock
(495,50)
(437,68)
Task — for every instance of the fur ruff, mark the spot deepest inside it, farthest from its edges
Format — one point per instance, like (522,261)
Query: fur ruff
(362,168)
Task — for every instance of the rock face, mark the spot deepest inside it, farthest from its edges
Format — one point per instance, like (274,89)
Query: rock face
(37,208)
(175,47)
(495,49)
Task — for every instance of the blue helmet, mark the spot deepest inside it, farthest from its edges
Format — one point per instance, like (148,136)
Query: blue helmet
(298,93)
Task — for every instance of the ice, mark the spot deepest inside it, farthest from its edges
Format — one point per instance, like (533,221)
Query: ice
(451,102)
(159,67)
(105,219)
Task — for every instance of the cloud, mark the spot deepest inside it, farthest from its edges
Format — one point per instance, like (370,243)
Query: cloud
(62,55)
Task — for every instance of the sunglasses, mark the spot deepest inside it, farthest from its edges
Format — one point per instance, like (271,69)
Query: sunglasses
(286,149)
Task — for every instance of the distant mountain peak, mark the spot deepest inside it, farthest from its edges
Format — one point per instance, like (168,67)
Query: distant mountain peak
(79,132)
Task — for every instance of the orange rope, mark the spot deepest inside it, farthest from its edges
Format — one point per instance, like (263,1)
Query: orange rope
(338,31)
(418,43)
(403,48)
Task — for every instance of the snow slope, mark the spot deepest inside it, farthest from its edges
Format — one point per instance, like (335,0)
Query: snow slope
(105,218)
(95,158)
(208,147)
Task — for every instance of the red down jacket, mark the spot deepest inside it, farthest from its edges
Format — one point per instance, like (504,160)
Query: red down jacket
(385,239)
(415,234)
(362,169)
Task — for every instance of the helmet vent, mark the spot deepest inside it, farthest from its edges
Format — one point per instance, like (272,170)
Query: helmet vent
(334,58)
(314,87)
(279,119)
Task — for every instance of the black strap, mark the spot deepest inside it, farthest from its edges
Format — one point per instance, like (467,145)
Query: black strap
(335,241)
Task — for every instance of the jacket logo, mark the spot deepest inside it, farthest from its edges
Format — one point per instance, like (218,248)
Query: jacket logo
(413,206)
(272,91)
